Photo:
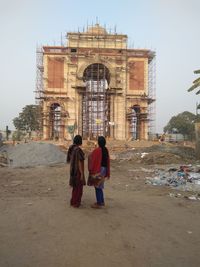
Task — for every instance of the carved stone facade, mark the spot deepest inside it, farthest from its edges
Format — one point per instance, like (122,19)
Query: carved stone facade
(95,86)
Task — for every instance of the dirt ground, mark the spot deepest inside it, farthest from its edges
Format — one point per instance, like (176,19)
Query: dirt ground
(141,225)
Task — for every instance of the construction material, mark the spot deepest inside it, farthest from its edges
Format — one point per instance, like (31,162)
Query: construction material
(32,154)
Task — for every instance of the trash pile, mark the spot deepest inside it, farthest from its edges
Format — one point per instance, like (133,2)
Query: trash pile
(186,178)
(31,154)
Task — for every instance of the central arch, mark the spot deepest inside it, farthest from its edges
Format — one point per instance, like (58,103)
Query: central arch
(95,101)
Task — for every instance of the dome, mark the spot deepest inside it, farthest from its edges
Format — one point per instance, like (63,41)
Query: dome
(97,29)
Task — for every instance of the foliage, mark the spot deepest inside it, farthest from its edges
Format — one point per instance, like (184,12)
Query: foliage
(183,123)
(196,83)
(71,129)
(17,135)
(29,119)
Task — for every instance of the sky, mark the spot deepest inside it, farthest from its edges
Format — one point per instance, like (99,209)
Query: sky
(170,28)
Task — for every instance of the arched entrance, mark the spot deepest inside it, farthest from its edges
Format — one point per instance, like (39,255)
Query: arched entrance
(135,122)
(55,121)
(95,101)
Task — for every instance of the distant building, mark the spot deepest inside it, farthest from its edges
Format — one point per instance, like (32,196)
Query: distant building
(175,137)
(95,86)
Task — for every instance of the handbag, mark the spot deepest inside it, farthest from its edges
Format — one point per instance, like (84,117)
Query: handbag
(94,179)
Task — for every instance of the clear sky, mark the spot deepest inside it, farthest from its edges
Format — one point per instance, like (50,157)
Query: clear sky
(170,27)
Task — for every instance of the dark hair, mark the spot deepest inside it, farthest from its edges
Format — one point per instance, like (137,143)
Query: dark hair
(77,140)
(101,141)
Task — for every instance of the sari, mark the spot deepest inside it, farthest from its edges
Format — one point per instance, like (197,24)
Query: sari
(76,158)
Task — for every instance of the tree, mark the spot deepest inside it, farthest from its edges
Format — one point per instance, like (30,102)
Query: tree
(71,129)
(183,123)
(196,83)
(18,135)
(29,119)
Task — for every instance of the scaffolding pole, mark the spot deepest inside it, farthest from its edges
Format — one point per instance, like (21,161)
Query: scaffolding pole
(152,97)
(39,75)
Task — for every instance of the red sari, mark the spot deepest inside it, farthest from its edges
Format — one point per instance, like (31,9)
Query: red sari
(94,164)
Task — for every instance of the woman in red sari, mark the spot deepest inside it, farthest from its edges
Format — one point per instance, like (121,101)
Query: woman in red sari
(75,157)
(99,169)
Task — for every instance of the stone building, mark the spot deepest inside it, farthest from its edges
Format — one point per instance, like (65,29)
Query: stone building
(94,85)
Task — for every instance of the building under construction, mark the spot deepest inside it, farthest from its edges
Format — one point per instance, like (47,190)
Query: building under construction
(95,85)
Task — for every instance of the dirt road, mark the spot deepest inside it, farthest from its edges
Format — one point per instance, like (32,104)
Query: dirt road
(141,225)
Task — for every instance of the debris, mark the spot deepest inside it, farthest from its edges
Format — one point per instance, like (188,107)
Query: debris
(157,154)
(147,170)
(3,159)
(144,154)
(192,198)
(184,178)
(174,195)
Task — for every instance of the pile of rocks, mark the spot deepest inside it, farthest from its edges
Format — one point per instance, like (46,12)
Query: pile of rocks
(32,154)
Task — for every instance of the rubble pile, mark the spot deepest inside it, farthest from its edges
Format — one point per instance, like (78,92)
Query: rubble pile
(32,154)
(186,178)
(158,154)
(3,159)
(181,151)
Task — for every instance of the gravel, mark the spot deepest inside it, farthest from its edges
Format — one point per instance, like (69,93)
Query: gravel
(33,154)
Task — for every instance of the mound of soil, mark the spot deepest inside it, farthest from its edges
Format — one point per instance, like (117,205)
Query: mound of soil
(158,154)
